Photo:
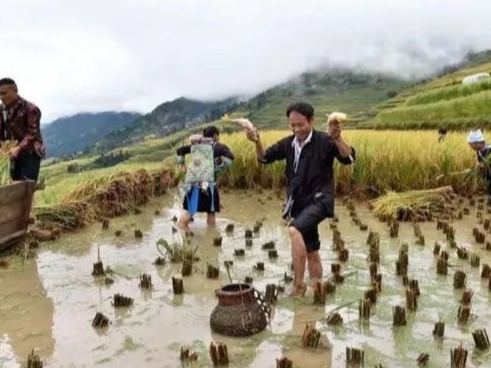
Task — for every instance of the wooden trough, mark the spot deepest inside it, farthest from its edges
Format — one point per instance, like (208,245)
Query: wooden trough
(15,207)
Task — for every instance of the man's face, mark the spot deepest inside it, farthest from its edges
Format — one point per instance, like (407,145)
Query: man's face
(300,125)
(478,146)
(8,94)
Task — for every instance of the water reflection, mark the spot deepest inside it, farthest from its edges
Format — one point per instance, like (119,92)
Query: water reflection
(26,312)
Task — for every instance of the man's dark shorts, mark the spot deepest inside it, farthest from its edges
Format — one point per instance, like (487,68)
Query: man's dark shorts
(306,221)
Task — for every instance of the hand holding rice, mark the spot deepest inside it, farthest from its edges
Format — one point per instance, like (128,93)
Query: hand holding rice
(246,124)
(336,116)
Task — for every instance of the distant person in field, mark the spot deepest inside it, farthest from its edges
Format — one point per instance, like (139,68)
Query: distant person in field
(476,141)
(309,156)
(20,122)
(442,134)
(203,196)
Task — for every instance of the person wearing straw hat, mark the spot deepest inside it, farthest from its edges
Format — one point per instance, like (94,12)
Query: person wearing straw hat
(476,141)
(309,156)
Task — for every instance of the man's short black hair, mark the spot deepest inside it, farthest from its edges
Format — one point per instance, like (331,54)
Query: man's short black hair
(209,132)
(7,82)
(303,108)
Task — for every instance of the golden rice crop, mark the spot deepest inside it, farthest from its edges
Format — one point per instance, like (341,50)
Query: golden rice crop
(69,216)
(386,161)
(104,197)
(5,149)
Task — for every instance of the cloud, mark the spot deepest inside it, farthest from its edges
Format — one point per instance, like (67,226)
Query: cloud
(72,56)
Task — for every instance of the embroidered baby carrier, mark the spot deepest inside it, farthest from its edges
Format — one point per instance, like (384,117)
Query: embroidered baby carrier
(201,168)
(200,174)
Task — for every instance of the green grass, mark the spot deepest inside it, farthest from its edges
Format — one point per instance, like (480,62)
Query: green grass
(439,89)
(450,79)
(462,112)
(440,102)
(448,93)
(356,101)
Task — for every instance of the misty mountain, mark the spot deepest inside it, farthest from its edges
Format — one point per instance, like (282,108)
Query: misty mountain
(165,119)
(355,93)
(72,134)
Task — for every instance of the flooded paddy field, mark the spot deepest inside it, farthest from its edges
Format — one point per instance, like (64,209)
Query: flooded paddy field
(48,302)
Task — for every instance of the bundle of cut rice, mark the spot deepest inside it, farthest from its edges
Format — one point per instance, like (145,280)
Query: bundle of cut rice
(340,117)
(416,205)
(68,216)
(243,122)
(5,149)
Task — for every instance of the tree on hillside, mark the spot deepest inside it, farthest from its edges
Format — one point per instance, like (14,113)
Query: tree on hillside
(391,94)
(261,100)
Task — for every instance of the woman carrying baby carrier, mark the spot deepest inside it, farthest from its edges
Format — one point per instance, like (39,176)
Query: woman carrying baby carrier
(209,158)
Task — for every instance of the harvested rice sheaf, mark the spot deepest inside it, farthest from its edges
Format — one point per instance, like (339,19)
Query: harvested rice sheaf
(5,149)
(68,216)
(417,205)
(101,198)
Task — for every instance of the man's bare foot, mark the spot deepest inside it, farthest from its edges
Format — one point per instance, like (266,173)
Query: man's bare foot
(183,226)
(298,292)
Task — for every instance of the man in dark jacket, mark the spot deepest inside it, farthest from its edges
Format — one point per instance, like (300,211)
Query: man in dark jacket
(309,156)
(20,122)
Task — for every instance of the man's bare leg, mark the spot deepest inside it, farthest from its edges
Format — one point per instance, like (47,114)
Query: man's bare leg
(314,266)
(299,258)
(211,219)
(184,220)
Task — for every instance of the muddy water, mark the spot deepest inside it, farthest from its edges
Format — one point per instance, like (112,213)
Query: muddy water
(48,303)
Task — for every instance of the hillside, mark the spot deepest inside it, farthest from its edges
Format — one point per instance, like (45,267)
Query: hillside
(69,135)
(442,101)
(166,119)
(354,93)
(351,92)
(371,100)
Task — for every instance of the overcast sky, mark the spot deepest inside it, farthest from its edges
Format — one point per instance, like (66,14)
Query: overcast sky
(70,56)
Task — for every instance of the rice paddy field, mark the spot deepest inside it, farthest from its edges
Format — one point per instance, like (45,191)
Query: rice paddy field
(387,160)
(400,294)
(387,284)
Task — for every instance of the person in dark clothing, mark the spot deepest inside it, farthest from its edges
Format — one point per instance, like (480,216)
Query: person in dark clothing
(20,121)
(442,134)
(309,156)
(207,198)
(476,141)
